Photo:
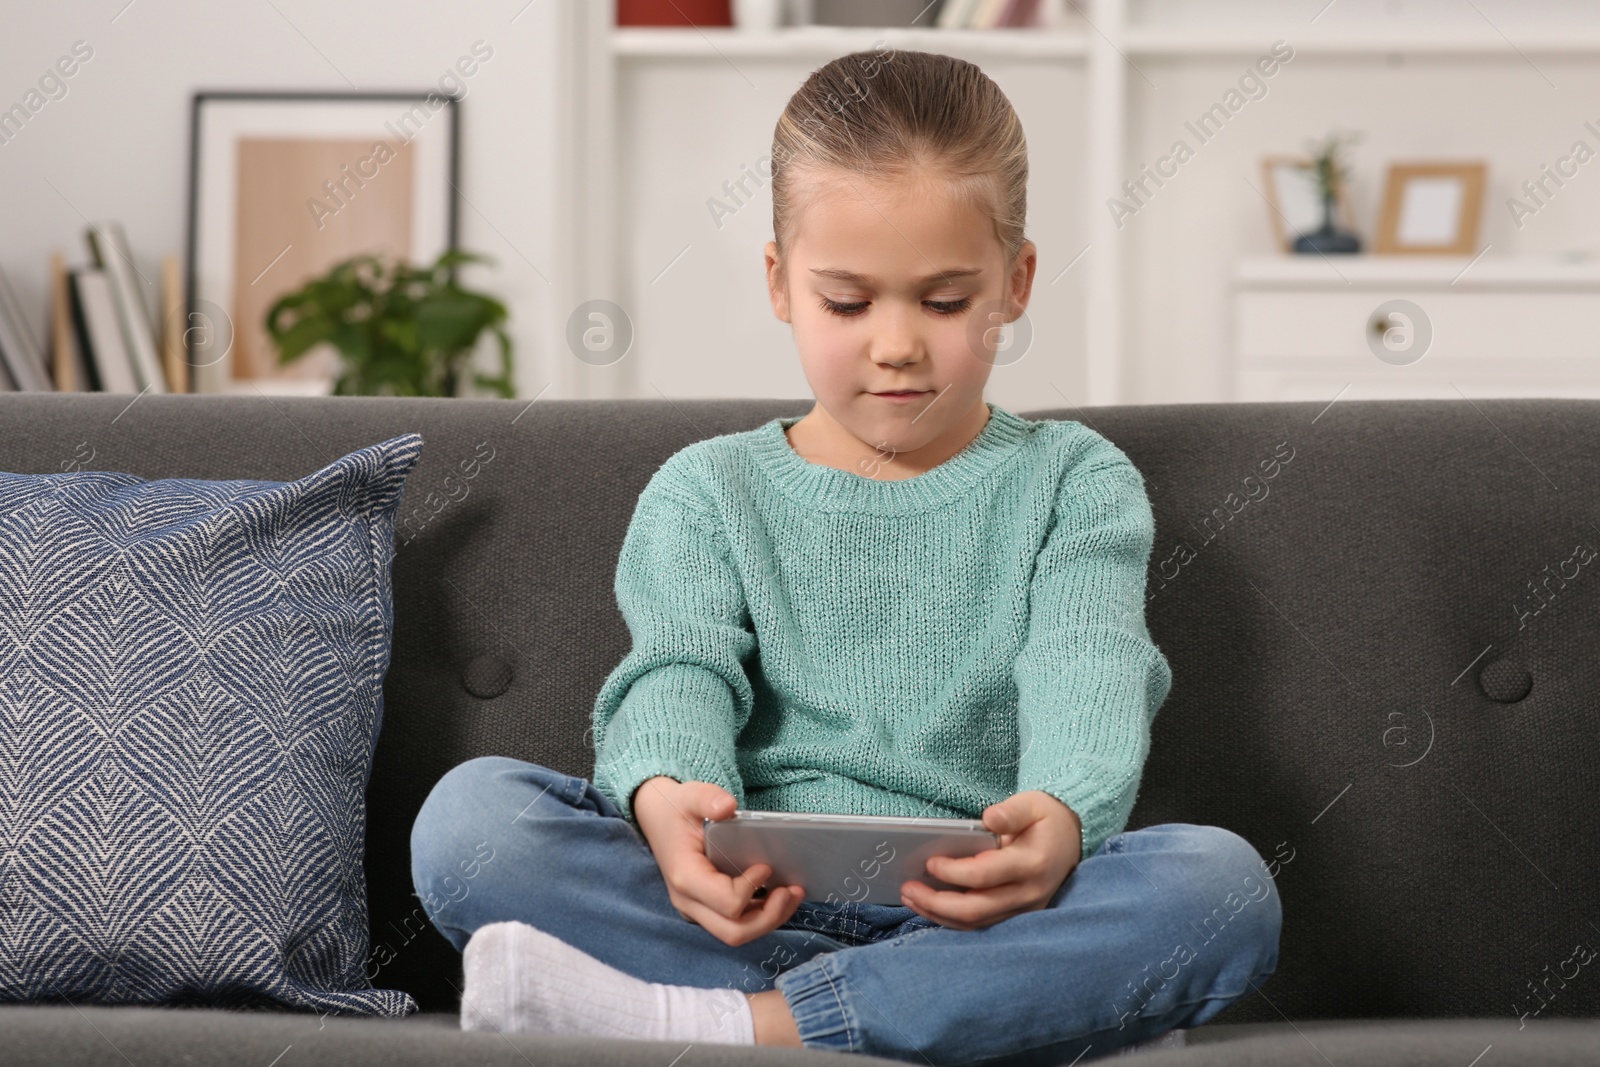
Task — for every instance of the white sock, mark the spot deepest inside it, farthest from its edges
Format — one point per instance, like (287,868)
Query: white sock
(520,978)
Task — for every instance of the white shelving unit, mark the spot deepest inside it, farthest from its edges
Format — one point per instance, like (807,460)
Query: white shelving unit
(1151,41)
(1105,48)
(825,42)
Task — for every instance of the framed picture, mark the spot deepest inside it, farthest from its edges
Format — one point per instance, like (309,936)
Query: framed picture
(1296,203)
(284,185)
(1431,208)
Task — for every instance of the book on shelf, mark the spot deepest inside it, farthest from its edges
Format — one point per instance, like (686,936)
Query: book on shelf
(954,14)
(94,309)
(20,354)
(1023,13)
(174,352)
(987,14)
(71,370)
(109,245)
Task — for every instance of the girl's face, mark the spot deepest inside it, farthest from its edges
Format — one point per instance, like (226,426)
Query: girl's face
(895,287)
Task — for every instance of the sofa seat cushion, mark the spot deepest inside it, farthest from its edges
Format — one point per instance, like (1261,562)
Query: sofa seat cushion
(191,686)
(1391,1043)
(63,1036)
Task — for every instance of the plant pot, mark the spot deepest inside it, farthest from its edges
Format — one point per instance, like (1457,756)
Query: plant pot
(1329,238)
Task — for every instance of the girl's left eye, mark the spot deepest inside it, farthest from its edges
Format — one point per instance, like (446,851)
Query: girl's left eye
(943,307)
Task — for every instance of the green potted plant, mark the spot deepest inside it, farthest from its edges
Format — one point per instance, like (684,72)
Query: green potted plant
(1331,173)
(400,330)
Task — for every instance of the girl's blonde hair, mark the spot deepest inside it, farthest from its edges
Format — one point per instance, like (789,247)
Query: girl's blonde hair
(890,115)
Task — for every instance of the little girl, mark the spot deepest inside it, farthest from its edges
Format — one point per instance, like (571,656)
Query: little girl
(907,602)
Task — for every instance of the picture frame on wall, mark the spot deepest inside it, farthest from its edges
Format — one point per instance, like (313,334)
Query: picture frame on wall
(282,186)
(1432,208)
(1295,203)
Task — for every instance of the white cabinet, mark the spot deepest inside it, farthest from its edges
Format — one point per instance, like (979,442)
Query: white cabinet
(1309,327)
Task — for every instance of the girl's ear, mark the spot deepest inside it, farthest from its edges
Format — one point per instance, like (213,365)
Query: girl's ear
(777,287)
(1022,275)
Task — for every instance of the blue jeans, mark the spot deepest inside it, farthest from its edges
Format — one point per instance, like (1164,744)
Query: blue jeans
(1161,928)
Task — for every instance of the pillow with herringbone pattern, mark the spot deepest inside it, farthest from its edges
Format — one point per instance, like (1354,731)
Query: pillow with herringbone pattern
(191,686)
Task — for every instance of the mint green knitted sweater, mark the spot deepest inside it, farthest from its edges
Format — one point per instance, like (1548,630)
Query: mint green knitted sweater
(816,640)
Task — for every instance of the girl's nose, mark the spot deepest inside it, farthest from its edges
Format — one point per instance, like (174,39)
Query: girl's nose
(898,349)
(898,343)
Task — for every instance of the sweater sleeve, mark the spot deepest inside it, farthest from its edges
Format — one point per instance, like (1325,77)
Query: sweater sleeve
(677,701)
(1089,679)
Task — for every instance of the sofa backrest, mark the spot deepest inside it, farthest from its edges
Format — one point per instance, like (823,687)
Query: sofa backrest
(1381,618)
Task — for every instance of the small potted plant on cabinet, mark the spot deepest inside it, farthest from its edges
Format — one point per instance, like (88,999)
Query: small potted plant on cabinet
(1331,174)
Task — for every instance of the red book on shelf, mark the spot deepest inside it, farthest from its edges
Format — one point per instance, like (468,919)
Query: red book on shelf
(674,13)
(1021,13)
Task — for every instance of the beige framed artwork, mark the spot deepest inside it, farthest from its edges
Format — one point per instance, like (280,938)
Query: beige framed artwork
(285,185)
(1431,209)
(1295,201)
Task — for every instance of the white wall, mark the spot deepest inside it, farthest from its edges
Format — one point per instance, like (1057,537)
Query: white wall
(116,146)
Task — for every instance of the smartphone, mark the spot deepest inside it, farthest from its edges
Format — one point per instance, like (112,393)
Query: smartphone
(859,859)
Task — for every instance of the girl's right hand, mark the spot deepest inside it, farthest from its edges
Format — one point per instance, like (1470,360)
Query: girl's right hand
(668,813)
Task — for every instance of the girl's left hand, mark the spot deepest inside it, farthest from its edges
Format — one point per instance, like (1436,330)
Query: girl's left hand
(1041,840)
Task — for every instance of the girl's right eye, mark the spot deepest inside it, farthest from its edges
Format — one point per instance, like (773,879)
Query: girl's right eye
(842,310)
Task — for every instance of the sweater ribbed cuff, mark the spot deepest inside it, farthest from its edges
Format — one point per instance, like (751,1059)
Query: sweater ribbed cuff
(1101,801)
(647,755)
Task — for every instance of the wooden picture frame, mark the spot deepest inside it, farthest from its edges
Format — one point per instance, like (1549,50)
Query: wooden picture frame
(1295,205)
(283,185)
(1431,208)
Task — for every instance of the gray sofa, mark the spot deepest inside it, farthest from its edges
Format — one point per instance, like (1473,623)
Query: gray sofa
(1382,620)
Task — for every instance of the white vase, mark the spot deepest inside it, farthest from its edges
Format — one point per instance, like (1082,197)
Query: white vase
(757,15)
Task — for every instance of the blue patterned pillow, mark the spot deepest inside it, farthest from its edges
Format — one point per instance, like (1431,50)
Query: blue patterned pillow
(191,686)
